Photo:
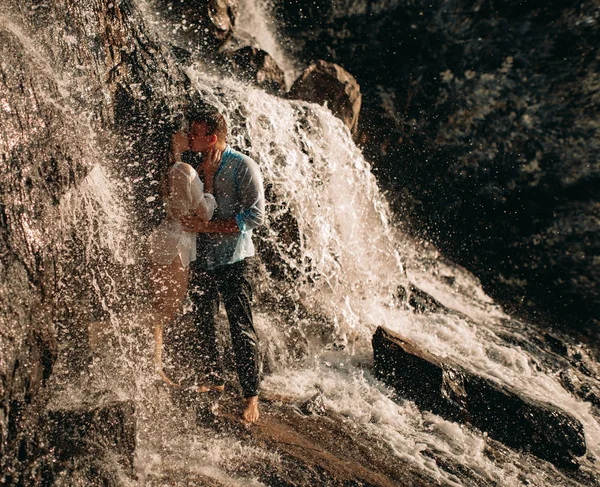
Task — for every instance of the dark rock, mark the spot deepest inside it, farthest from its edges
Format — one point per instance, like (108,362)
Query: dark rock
(314,406)
(423,302)
(324,82)
(93,432)
(255,65)
(454,393)
(576,383)
(204,24)
(419,301)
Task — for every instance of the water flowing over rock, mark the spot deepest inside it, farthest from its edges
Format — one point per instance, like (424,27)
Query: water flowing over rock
(90,93)
(447,389)
(465,121)
(324,82)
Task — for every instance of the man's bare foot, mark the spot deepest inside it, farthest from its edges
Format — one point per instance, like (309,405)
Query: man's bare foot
(251,413)
(210,387)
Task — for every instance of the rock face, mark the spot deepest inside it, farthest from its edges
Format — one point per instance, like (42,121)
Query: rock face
(451,392)
(78,439)
(324,82)
(93,66)
(73,433)
(256,66)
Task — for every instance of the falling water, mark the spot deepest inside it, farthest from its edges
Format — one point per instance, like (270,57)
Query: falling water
(253,20)
(338,262)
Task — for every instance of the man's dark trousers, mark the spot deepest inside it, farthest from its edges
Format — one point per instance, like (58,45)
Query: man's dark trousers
(232,284)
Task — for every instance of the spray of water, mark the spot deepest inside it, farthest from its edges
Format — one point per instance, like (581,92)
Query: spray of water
(336,265)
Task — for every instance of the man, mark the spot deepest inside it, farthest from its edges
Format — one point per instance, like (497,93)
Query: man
(222,268)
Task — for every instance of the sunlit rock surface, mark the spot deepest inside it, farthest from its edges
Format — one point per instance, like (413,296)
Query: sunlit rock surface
(328,83)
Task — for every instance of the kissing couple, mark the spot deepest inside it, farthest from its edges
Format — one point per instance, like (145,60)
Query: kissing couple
(204,247)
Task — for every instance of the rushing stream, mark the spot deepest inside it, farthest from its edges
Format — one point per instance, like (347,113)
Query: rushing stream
(337,260)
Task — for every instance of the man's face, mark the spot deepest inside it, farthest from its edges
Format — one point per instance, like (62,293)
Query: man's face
(199,141)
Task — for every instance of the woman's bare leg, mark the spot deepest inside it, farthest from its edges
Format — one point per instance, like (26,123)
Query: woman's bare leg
(169,283)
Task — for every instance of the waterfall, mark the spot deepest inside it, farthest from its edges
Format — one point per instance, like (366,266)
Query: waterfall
(335,263)
(254,21)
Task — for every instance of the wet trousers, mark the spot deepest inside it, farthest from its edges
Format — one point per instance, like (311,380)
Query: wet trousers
(232,284)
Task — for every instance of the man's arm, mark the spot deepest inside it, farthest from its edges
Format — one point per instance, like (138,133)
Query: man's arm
(252,194)
(250,187)
(194,224)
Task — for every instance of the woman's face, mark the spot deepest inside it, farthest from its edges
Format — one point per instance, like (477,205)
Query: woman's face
(180,142)
(198,139)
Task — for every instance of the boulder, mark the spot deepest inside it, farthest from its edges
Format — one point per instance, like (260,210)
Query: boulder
(452,392)
(257,66)
(329,83)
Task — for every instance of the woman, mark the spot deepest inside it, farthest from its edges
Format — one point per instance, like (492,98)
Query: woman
(171,248)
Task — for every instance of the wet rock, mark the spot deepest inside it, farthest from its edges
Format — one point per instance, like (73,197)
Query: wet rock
(314,406)
(206,24)
(315,450)
(419,301)
(324,82)
(580,386)
(447,389)
(93,432)
(257,66)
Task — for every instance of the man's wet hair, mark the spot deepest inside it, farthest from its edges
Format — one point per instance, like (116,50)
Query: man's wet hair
(210,116)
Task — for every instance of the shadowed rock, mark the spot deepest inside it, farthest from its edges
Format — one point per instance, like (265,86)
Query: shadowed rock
(92,432)
(256,66)
(206,24)
(324,82)
(456,394)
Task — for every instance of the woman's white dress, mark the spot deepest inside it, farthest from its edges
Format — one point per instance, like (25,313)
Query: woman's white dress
(186,196)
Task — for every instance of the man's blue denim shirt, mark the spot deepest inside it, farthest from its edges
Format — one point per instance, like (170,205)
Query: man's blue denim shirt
(239,191)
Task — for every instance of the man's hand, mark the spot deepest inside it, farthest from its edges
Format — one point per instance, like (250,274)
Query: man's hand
(209,166)
(192,223)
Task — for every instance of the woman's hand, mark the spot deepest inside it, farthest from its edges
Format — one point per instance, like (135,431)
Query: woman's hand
(212,161)
(179,144)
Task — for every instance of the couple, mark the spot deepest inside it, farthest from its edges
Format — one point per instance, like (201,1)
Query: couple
(217,219)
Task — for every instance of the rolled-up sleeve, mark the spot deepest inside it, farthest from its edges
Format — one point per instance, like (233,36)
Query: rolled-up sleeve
(249,183)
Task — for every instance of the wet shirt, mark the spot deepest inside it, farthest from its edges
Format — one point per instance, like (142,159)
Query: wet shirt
(239,193)
(186,196)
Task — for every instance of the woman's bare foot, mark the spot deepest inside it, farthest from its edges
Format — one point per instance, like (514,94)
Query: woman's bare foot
(165,379)
(210,387)
(251,413)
